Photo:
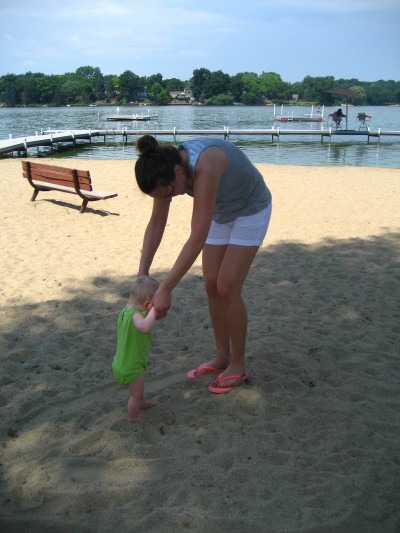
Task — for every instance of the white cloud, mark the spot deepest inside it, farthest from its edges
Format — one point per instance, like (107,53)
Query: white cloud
(291,37)
(333,6)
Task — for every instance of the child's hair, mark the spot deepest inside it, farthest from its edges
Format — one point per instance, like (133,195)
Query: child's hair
(155,166)
(143,289)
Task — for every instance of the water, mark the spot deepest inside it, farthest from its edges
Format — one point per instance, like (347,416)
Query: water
(293,150)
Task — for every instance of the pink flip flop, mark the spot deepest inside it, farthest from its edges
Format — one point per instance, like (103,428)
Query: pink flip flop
(203,370)
(218,386)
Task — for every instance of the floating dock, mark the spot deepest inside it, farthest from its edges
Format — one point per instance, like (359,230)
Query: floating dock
(317,116)
(294,118)
(53,138)
(117,118)
(133,116)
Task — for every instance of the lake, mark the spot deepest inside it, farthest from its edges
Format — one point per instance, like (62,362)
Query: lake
(292,150)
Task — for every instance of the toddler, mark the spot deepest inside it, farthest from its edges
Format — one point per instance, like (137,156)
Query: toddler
(134,326)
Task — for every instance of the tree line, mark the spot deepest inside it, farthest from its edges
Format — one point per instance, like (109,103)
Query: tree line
(87,85)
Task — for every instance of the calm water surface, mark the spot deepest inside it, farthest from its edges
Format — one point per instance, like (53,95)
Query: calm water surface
(292,150)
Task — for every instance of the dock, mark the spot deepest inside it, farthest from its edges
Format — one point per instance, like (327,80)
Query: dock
(49,138)
(53,138)
(300,118)
(313,116)
(134,116)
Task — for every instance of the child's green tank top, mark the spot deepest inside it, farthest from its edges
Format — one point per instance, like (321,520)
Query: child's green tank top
(132,352)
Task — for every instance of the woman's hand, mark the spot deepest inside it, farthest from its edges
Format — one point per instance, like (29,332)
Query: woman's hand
(161,302)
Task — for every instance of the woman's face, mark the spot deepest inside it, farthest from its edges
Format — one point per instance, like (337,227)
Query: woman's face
(164,192)
(176,188)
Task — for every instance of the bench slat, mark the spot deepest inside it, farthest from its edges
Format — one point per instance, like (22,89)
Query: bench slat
(62,176)
(40,167)
(92,194)
(59,179)
(33,165)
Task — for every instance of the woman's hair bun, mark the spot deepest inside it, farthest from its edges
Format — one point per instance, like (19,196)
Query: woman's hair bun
(147,145)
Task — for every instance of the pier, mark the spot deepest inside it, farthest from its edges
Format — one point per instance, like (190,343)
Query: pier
(53,138)
(134,117)
(313,116)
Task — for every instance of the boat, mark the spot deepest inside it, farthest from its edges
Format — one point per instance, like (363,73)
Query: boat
(315,116)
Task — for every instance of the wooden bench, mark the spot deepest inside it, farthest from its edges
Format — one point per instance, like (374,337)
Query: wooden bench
(52,178)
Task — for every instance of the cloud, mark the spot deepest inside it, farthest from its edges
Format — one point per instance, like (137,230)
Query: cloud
(336,6)
(177,36)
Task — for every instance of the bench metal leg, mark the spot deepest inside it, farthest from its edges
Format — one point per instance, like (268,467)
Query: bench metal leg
(83,207)
(35,193)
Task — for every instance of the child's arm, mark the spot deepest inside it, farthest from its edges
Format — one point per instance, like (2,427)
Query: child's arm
(144,324)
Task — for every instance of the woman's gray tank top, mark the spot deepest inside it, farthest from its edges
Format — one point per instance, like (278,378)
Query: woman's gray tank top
(241,190)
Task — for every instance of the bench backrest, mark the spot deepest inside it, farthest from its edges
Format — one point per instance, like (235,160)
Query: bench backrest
(57,175)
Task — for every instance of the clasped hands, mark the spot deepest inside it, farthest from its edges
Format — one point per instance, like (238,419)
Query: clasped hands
(161,302)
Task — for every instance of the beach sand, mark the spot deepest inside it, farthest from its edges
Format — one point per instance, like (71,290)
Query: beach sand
(309,444)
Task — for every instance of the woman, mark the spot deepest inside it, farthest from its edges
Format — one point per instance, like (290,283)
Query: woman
(231,212)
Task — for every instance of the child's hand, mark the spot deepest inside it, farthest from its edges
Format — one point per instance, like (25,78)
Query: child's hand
(162,303)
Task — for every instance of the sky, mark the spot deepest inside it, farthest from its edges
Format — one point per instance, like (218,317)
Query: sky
(294,38)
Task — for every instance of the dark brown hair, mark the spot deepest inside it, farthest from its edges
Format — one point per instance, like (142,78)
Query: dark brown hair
(155,165)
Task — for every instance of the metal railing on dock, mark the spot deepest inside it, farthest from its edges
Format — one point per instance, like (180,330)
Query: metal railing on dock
(54,137)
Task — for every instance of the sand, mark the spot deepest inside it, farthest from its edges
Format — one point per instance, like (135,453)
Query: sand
(309,444)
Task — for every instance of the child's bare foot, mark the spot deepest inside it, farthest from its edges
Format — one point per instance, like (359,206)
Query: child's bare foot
(139,419)
(144,404)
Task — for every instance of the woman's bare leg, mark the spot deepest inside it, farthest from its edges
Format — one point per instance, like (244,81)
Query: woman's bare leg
(224,274)
(213,257)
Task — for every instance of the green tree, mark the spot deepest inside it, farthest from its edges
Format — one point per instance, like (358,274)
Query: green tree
(74,89)
(71,89)
(9,93)
(313,89)
(220,99)
(163,97)
(109,87)
(174,84)
(216,83)
(154,78)
(28,89)
(130,85)
(46,88)
(358,89)
(154,91)
(87,72)
(378,93)
(272,86)
(236,87)
(98,85)
(199,82)
(252,91)
(88,84)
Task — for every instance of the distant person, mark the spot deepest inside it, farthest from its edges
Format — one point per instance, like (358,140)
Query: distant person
(337,116)
(134,327)
(231,212)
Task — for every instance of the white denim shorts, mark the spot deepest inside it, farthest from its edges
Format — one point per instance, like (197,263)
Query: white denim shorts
(244,231)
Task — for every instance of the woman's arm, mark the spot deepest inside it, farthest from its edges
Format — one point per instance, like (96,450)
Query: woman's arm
(210,167)
(153,234)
